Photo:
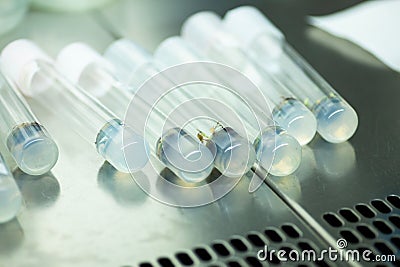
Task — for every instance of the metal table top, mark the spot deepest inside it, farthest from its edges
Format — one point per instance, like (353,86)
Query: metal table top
(84,213)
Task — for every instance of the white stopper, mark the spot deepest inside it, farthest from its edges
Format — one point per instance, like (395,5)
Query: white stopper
(174,51)
(73,59)
(205,29)
(18,63)
(246,23)
(126,57)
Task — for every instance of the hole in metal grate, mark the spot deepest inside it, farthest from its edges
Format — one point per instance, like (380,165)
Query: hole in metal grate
(383,248)
(370,256)
(321,263)
(291,231)
(349,215)
(221,249)
(202,254)
(184,259)
(382,226)
(394,200)
(272,258)
(255,240)
(395,241)
(305,245)
(349,236)
(221,252)
(234,264)
(273,235)
(365,211)
(165,262)
(362,249)
(287,250)
(395,220)
(253,262)
(333,220)
(238,245)
(366,231)
(381,206)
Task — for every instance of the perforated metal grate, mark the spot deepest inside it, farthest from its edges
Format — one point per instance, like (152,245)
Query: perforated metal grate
(374,226)
(241,250)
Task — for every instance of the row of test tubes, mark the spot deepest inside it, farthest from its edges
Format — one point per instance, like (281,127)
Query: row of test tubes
(105,96)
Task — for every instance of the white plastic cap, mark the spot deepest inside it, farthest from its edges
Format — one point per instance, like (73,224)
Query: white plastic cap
(73,59)
(17,60)
(126,57)
(173,51)
(246,23)
(205,29)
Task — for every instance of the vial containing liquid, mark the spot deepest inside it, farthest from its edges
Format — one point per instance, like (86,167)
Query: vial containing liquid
(175,148)
(35,74)
(180,152)
(32,148)
(132,66)
(126,56)
(272,144)
(205,33)
(337,121)
(10,196)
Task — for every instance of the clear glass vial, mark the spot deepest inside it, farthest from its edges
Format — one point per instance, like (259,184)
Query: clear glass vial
(337,120)
(32,148)
(34,72)
(175,148)
(276,150)
(134,66)
(10,196)
(204,31)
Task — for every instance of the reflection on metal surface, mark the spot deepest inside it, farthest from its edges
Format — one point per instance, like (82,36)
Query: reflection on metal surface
(288,185)
(121,186)
(307,166)
(334,160)
(11,236)
(169,176)
(183,191)
(38,191)
(239,200)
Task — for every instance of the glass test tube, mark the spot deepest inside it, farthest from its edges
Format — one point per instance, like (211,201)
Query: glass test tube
(10,196)
(234,154)
(175,147)
(220,133)
(276,150)
(124,49)
(204,32)
(36,76)
(32,148)
(337,120)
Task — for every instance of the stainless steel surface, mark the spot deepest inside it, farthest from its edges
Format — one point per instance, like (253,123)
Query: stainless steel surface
(86,214)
